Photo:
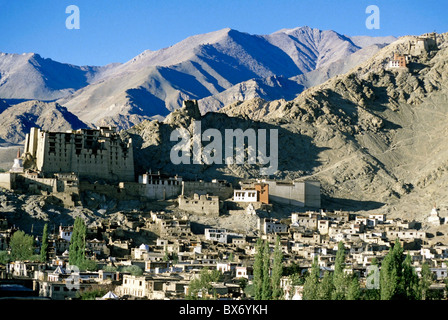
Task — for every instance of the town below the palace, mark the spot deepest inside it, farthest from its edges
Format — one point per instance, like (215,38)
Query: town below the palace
(157,253)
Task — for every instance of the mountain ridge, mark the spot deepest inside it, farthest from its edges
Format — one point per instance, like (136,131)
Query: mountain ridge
(30,76)
(210,64)
(154,83)
(382,131)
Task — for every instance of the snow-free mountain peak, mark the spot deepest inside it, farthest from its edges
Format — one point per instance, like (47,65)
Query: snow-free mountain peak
(155,83)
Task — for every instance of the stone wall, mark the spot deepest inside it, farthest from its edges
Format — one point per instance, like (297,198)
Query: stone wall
(312,194)
(297,193)
(203,204)
(151,191)
(222,190)
(7,180)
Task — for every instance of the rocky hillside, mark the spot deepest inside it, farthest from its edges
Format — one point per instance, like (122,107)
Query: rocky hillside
(156,82)
(17,120)
(275,88)
(375,137)
(381,132)
(220,67)
(30,76)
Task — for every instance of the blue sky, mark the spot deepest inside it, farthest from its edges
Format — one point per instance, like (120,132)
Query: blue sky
(117,30)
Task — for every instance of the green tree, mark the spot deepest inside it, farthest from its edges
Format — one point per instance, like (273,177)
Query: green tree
(340,280)
(410,280)
(371,292)
(293,272)
(258,270)
(93,292)
(203,284)
(132,269)
(398,279)
(78,243)
(88,264)
(425,281)
(166,256)
(44,245)
(312,282)
(175,257)
(266,283)
(21,245)
(249,290)
(4,257)
(325,287)
(277,271)
(110,268)
(391,283)
(388,278)
(398,254)
(296,279)
(243,283)
(354,290)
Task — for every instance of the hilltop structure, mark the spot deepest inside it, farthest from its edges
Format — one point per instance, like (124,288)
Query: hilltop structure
(54,163)
(424,43)
(297,193)
(90,153)
(399,61)
(415,48)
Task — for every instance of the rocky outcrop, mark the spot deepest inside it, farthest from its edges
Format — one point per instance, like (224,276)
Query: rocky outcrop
(17,120)
(374,136)
(381,130)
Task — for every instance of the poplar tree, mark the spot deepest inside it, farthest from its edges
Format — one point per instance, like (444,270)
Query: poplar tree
(44,245)
(392,284)
(388,277)
(425,281)
(266,284)
(354,289)
(372,291)
(277,271)
(340,280)
(410,280)
(325,288)
(312,282)
(78,243)
(398,254)
(258,270)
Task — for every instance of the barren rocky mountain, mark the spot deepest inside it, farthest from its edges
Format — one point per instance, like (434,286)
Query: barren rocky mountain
(17,120)
(275,88)
(381,132)
(156,82)
(30,76)
(219,67)
(375,137)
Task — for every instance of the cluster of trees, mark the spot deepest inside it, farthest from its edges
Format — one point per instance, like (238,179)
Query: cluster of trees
(201,287)
(23,247)
(266,283)
(171,257)
(77,248)
(335,285)
(397,280)
(268,271)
